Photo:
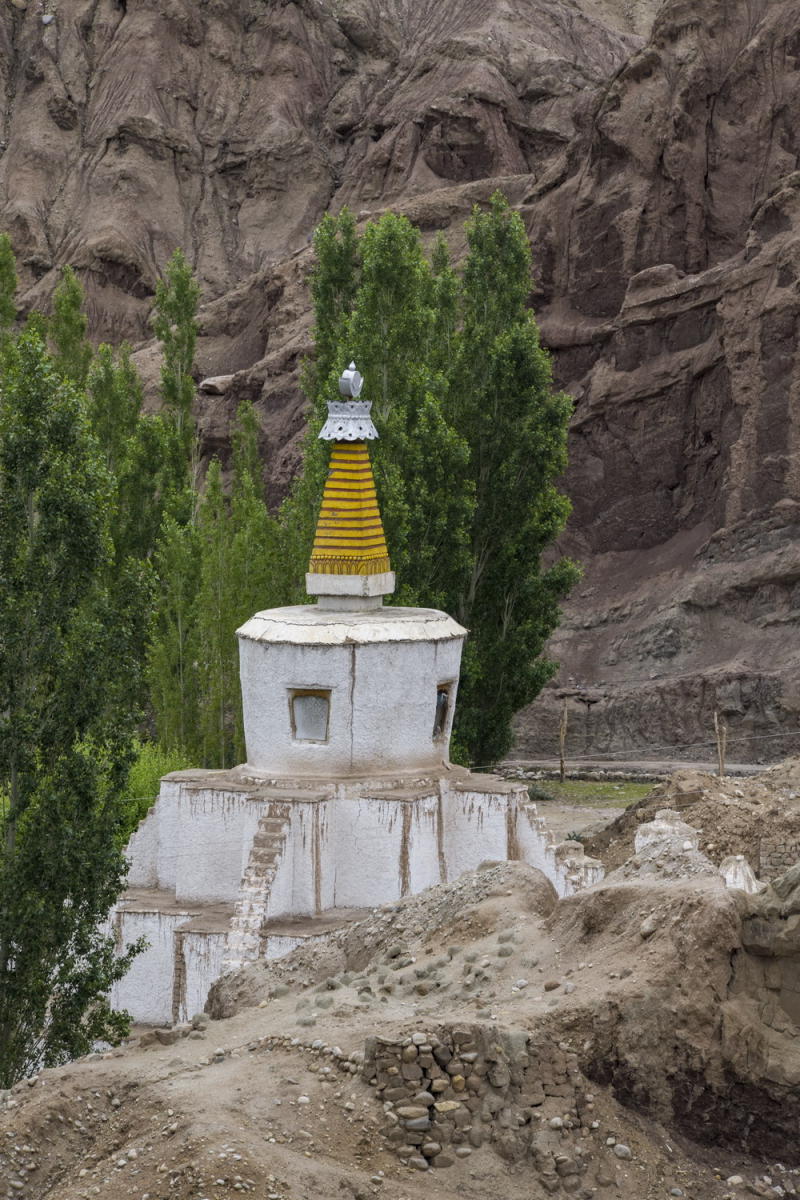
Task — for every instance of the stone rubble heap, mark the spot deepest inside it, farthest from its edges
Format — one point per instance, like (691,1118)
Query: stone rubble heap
(446,1095)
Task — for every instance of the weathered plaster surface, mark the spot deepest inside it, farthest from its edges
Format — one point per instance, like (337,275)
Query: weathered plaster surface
(370,812)
(265,851)
(382,670)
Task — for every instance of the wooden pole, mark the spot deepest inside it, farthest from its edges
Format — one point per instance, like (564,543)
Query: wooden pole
(721,731)
(562,739)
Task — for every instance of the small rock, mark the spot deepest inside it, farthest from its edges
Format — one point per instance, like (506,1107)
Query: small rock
(167,1037)
(622,1151)
(648,927)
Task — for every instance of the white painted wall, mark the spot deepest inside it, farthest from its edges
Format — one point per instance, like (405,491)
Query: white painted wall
(363,844)
(203,954)
(146,990)
(213,839)
(382,669)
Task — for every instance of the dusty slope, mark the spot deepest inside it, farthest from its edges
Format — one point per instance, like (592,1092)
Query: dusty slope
(652,150)
(637,988)
(758,817)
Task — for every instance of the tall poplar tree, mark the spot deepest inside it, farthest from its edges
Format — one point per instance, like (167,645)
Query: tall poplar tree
(375,302)
(8,287)
(334,283)
(175,325)
(138,449)
(72,352)
(472,441)
(171,666)
(65,747)
(237,540)
(502,399)
(420,459)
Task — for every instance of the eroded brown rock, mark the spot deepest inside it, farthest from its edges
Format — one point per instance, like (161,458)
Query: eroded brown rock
(652,151)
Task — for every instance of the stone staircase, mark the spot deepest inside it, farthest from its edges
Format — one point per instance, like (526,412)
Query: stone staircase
(244,938)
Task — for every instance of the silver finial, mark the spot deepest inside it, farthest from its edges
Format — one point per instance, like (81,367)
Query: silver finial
(350,382)
(349,419)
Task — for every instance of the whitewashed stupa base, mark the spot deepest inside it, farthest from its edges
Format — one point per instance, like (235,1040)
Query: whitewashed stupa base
(228,867)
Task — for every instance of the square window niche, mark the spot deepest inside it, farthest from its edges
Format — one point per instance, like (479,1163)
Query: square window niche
(309,710)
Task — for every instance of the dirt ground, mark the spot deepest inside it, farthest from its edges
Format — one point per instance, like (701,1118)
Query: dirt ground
(681,1080)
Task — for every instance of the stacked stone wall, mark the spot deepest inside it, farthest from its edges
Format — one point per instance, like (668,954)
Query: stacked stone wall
(446,1095)
(777,854)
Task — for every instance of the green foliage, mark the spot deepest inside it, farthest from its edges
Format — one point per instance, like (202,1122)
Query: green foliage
(472,440)
(175,325)
(334,282)
(540,794)
(8,287)
(151,763)
(171,670)
(68,324)
(65,747)
(375,302)
(420,454)
(214,574)
(140,451)
(516,426)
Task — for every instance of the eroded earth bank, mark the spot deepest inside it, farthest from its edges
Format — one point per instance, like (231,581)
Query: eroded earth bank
(638,1039)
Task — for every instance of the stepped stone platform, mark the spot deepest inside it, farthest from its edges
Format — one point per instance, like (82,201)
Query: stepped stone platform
(229,866)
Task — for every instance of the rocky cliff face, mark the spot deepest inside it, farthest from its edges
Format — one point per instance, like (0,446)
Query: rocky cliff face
(652,150)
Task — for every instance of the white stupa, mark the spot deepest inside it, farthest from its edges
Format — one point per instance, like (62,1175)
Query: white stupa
(348,799)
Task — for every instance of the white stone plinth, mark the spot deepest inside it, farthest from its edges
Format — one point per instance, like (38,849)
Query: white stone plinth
(379,672)
(324,585)
(224,860)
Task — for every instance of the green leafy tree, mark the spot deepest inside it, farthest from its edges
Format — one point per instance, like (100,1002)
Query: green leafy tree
(115,401)
(8,287)
(171,665)
(334,283)
(216,671)
(139,450)
(420,453)
(175,324)
(255,553)
(65,747)
(68,324)
(238,555)
(502,400)
(472,441)
(378,307)
(151,764)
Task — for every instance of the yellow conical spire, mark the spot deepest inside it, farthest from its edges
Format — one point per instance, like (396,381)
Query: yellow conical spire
(349,538)
(349,566)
